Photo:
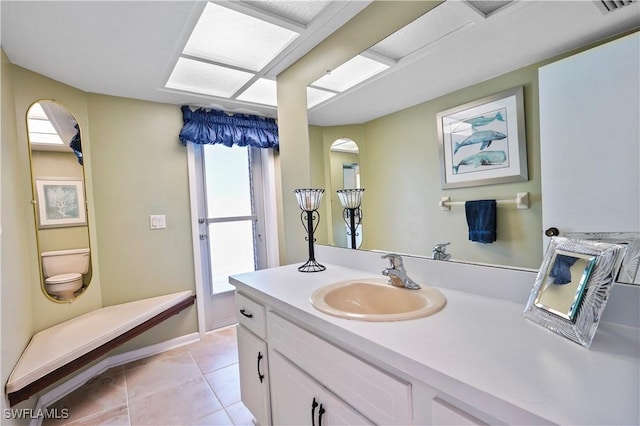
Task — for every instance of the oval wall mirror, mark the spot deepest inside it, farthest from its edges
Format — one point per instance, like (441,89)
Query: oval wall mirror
(57,173)
(344,159)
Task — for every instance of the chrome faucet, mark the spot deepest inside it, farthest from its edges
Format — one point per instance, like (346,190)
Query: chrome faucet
(440,252)
(397,274)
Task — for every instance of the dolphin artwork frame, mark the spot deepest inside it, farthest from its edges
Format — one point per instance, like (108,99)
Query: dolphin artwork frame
(483,142)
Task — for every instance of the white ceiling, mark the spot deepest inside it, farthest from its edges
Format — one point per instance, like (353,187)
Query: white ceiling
(129,48)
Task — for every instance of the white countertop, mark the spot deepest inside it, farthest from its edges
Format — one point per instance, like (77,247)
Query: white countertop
(478,349)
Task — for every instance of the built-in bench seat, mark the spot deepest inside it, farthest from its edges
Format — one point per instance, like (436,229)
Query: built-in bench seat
(58,351)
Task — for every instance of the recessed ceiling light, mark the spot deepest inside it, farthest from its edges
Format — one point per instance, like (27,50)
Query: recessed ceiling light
(202,77)
(316,96)
(229,37)
(263,91)
(352,72)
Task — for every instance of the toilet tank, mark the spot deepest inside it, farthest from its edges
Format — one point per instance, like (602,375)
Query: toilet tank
(65,261)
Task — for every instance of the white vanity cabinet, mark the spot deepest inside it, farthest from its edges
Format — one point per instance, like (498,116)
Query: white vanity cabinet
(291,376)
(349,389)
(475,362)
(297,399)
(253,358)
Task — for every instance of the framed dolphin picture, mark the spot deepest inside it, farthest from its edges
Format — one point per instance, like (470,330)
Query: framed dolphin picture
(483,142)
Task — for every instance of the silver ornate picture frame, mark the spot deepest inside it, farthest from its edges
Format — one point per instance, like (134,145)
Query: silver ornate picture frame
(572,287)
(630,269)
(483,142)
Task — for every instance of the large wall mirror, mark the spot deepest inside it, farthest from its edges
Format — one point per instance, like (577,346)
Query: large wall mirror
(57,174)
(344,159)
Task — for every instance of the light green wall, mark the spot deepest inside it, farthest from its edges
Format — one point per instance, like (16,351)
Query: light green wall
(400,171)
(59,164)
(17,242)
(28,88)
(403,174)
(317,169)
(139,168)
(134,167)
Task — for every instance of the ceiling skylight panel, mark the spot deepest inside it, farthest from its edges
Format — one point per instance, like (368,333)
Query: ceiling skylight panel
(233,38)
(429,28)
(352,72)
(317,96)
(38,125)
(263,91)
(344,145)
(40,128)
(202,77)
(302,12)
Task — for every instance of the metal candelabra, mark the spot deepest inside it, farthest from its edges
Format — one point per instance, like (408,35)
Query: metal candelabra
(351,199)
(309,201)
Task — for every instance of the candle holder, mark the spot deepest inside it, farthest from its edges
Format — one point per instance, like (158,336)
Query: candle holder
(351,200)
(309,201)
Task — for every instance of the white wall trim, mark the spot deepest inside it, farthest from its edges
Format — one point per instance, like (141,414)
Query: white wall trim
(270,208)
(75,382)
(201,295)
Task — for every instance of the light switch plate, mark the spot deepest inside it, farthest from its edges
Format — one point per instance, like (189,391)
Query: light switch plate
(157,221)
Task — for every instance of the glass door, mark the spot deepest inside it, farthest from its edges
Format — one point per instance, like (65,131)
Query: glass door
(228,198)
(234,217)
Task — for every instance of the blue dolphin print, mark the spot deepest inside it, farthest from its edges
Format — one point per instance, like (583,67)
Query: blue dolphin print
(485,137)
(476,122)
(484,158)
(483,120)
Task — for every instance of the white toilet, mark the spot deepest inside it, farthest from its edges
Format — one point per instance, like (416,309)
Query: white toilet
(63,270)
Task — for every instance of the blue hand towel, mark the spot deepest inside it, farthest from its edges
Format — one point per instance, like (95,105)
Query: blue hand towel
(481,218)
(561,269)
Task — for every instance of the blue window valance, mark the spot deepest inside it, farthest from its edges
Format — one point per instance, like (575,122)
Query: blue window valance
(217,127)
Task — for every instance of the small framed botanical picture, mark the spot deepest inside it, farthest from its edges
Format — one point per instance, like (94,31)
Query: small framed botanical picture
(60,202)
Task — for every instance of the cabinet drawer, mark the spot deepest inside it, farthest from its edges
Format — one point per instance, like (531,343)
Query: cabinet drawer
(380,397)
(251,314)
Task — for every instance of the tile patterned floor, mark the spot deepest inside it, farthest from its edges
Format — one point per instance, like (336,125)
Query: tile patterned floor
(196,384)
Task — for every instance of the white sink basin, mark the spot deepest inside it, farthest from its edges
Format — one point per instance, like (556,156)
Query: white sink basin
(374,299)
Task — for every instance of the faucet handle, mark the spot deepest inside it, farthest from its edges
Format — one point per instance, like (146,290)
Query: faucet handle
(394,259)
(441,246)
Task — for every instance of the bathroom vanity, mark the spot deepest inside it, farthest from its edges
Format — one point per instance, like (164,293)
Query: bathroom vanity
(476,361)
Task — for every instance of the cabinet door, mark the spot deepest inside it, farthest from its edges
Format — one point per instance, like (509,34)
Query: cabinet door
(254,377)
(297,399)
(589,133)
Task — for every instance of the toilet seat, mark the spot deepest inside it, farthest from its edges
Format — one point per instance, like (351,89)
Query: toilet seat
(63,278)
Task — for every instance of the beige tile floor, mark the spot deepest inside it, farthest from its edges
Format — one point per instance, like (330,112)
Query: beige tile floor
(196,384)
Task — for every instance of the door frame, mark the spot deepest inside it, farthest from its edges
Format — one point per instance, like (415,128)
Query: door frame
(265,198)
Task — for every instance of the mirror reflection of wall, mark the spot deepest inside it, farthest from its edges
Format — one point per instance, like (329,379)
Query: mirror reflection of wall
(345,174)
(57,174)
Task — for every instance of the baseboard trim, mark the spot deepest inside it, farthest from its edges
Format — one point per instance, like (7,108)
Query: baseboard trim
(80,379)
(223,322)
